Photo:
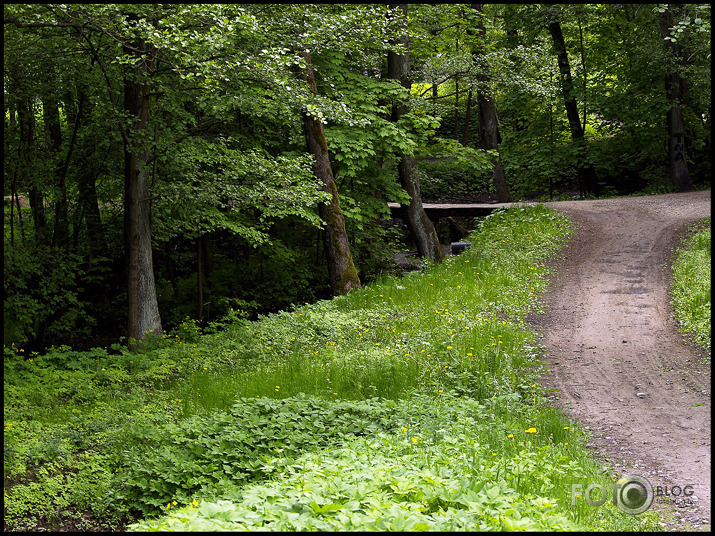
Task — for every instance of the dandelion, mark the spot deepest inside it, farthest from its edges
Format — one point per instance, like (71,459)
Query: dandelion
(566,427)
(531,431)
(511,436)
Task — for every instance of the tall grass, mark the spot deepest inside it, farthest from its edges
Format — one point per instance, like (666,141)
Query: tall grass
(690,289)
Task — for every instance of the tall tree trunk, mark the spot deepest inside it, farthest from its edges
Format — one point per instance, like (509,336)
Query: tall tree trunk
(489,137)
(467,117)
(143,313)
(419,225)
(586,171)
(51,114)
(341,269)
(678,166)
(87,183)
(26,120)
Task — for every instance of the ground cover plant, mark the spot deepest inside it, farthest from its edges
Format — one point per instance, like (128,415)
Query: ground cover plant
(690,289)
(410,404)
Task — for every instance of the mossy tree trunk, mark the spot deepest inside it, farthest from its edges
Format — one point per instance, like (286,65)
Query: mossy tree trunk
(341,269)
(420,226)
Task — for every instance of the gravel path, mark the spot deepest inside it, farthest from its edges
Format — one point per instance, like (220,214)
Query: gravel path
(616,358)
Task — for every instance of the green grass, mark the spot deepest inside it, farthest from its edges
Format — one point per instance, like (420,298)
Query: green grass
(690,289)
(409,404)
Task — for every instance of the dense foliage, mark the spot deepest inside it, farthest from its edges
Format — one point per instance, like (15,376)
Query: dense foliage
(233,203)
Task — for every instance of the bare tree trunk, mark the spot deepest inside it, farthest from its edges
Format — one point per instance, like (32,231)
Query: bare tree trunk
(26,120)
(143,314)
(51,114)
(420,226)
(489,137)
(678,166)
(87,184)
(341,268)
(586,172)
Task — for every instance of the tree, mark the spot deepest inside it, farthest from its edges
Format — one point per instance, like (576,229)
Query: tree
(586,170)
(341,269)
(489,137)
(421,227)
(674,91)
(143,310)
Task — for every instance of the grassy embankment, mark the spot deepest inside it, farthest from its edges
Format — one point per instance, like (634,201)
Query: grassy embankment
(411,404)
(690,289)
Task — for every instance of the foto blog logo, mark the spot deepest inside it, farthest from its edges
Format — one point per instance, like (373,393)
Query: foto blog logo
(633,494)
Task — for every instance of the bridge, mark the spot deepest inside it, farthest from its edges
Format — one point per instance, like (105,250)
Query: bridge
(435,211)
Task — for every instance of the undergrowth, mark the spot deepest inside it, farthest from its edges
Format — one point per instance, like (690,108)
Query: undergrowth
(690,289)
(410,404)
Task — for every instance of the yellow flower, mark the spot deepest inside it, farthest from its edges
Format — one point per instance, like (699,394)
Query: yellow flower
(414,440)
(174,503)
(531,431)
(195,502)
(566,427)
(511,436)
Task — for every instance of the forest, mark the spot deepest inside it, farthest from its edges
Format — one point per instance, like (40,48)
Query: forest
(174,161)
(209,323)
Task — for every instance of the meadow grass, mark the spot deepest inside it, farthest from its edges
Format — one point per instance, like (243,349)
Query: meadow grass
(410,404)
(690,289)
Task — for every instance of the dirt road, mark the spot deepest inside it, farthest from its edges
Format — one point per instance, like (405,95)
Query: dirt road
(616,358)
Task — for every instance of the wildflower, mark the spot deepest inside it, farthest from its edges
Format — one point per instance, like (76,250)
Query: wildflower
(566,427)
(511,436)
(414,440)
(195,502)
(531,431)
(174,503)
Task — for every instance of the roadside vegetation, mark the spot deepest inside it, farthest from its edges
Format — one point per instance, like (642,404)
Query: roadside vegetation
(410,404)
(690,289)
